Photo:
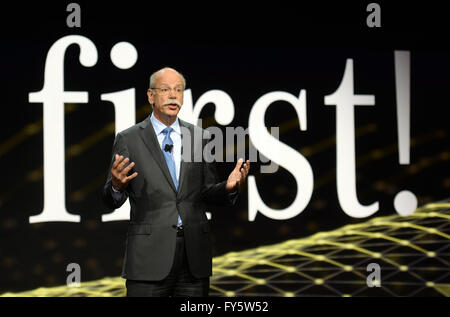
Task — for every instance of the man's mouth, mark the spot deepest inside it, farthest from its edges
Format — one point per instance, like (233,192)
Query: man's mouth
(172,106)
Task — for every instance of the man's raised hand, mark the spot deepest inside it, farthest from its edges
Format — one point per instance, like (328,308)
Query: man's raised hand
(238,175)
(119,173)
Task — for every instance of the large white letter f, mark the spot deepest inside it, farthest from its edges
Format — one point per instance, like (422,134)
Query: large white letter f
(53,97)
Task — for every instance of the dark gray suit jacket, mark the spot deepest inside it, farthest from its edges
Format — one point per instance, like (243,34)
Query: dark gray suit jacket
(155,204)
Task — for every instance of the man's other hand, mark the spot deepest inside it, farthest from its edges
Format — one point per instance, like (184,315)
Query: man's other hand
(238,175)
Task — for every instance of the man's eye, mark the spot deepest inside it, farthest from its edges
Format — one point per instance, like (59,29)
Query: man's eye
(164,89)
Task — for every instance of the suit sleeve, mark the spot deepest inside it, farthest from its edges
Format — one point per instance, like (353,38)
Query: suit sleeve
(214,192)
(108,198)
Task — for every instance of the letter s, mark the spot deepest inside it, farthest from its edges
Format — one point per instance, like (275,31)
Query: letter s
(281,154)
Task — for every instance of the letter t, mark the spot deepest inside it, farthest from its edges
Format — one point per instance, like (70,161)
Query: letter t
(345,100)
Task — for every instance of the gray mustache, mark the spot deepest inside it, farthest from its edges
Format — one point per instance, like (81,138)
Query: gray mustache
(172,101)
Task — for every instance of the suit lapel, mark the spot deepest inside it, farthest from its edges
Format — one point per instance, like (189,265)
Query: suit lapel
(148,135)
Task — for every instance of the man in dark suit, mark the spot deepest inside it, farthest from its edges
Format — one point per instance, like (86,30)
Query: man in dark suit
(168,247)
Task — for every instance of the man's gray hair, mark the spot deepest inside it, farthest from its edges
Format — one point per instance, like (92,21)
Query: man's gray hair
(153,77)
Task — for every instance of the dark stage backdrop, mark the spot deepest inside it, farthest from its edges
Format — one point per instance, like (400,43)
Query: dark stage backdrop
(245,53)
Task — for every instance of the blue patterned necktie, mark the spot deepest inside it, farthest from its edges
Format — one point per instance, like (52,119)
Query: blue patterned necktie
(169,160)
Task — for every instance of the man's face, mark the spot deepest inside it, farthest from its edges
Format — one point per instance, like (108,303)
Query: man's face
(168,89)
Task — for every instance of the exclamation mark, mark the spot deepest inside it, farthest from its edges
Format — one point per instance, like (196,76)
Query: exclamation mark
(405,202)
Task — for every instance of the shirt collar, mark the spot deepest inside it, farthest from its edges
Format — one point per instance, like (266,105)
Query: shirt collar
(159,126)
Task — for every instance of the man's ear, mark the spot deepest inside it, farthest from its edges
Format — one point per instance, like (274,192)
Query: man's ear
(150,96)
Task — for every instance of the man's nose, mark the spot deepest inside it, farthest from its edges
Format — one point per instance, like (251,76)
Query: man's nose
(172,94)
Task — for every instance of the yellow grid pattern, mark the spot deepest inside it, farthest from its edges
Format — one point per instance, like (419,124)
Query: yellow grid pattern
(312,266)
